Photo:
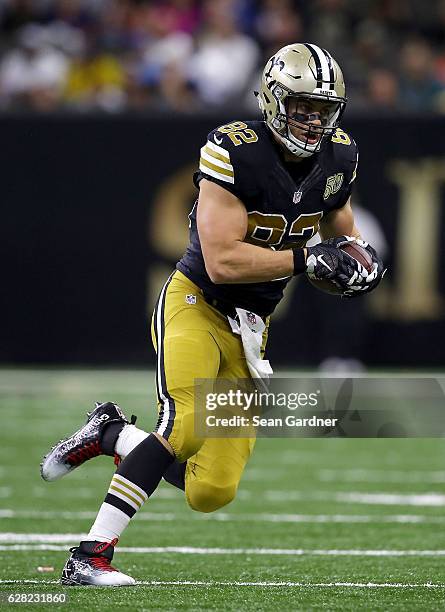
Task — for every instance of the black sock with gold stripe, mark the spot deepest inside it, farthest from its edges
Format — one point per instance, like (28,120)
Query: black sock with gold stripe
(139,475)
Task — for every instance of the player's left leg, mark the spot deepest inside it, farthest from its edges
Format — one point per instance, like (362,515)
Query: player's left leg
(213,474)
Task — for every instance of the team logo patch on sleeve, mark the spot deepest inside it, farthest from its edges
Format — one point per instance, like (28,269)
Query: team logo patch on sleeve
(215,161)
(333,185)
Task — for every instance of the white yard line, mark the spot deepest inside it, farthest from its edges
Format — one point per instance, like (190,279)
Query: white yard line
(162,517)
(393,499)
(191,550)
(358,497)
(303,585)
(58,538)
(381,476)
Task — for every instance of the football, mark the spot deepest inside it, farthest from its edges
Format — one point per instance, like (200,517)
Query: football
(358,253)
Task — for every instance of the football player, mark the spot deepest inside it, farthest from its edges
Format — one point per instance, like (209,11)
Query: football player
(265,188)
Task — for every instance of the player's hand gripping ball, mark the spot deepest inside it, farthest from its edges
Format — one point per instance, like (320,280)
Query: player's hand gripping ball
(344,266)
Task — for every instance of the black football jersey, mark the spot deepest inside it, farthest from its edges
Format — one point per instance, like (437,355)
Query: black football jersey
(285,201)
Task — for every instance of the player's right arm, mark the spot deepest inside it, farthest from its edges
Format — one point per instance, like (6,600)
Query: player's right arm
(222,226)
(227,175)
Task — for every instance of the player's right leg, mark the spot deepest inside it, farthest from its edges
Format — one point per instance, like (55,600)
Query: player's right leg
(97,437)
(186,350)
(106,432)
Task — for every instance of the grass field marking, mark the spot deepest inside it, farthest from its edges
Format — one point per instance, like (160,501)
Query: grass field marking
(58,538)
(366,585)
(303,585)
(396,499)
(381,476)
(192,550)
(161,517)
(431,499)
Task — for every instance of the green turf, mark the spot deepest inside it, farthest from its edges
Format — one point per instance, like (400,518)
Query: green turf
(39,407)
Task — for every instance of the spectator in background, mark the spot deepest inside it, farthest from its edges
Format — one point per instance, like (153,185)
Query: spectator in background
(278,24)
(372,49)
(189,55)
(114,32)
(382,90)
(75,13)
(225,59)
(161,68)
(330,25)
(32,76)
(95,80)
(14,15)
(420,90)
(175,16)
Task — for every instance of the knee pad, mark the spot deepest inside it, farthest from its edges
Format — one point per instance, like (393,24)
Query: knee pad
(204,496)
(214,487)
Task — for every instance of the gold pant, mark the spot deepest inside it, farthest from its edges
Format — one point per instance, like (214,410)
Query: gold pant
(194,340)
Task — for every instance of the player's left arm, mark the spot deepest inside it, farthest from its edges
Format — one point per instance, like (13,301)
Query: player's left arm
(339,224)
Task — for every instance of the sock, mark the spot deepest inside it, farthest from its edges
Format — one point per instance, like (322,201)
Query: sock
(110,436)
(175,474)
(129,437)
(109,529)
(135,480)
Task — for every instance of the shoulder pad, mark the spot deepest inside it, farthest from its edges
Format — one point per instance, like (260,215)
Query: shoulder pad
(345,154)
(227,157)
(216,159)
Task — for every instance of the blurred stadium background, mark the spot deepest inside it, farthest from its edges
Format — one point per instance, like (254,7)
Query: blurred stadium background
(104,106)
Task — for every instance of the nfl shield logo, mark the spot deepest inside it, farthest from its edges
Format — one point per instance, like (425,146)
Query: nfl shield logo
(297,197)
(251,318)
(190,298)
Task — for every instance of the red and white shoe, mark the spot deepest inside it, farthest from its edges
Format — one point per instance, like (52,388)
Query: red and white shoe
(84,444)
(90,565)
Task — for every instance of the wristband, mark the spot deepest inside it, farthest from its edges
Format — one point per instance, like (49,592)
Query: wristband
(299,261)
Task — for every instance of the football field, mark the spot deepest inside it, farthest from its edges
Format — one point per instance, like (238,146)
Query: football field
(318,524)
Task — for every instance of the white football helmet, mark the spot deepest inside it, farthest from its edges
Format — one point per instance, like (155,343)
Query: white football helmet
(304,72)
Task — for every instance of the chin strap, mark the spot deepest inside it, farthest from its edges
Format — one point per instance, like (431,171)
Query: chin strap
(295,149)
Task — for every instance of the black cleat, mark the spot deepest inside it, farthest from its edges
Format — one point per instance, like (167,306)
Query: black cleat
(90,565)
(84,444)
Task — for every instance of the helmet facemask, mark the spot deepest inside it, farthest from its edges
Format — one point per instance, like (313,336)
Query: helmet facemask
(305,121)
